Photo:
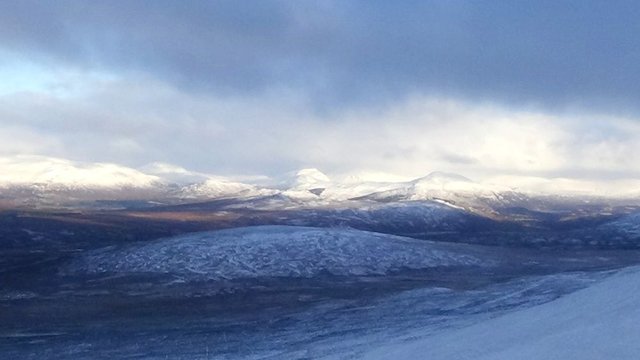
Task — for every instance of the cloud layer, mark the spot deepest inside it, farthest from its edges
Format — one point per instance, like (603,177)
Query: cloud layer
(262,87)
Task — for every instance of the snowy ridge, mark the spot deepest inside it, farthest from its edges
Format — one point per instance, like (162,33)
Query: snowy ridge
(173,174)
(30,170)
(48,175)
(213,188)
(600,322)
(310,186)
(277,251)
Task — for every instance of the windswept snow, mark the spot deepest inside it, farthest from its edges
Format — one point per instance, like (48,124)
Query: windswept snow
(600,322)
(277,251)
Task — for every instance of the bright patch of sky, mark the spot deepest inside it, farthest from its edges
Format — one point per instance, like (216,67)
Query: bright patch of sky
(20,74)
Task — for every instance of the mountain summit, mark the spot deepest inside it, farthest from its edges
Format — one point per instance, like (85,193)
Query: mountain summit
(440,177)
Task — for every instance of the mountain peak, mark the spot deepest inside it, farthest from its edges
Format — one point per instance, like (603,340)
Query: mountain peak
(442,177)
(312,172)
(310,177)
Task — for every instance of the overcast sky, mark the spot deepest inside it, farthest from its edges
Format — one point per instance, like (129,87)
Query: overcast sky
(543,88)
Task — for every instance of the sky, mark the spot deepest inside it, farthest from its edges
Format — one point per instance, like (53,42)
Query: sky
(480,88)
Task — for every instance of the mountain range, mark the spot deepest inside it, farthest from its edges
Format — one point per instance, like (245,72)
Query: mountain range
(52,182)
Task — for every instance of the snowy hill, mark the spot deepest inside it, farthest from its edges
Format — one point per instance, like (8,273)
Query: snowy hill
(60,173)
(37,179)
(221,188)
(600,322)
(278,251)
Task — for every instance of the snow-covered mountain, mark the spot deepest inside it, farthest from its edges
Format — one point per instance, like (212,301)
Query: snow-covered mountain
(173,174)
(37,180)
(58,173)
(305,184)
(279,251)
(54,180)
(307,179)
(47,180)
(221,188)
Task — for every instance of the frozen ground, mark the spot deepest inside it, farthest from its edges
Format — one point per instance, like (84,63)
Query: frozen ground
(306,293)
(600,322)
(279,251)
(332,329)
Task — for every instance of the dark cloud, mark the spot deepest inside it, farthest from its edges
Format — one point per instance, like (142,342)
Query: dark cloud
(336,54)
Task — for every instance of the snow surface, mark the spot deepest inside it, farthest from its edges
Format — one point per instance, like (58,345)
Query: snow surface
(629,225)
(28,170)
(309,179)
(276,251)
(613,188)
(334,329)
(173,173)
(54,174)
(215,189)
(436,184)
(600,322)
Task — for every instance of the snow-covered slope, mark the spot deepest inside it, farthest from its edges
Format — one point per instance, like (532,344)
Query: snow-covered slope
(310,179)
(627,226)
(56,173)
(196,185)
(600,322)
(629,222)
(221,188)
(313,185)
(173,174)
(305,184)
(439,185)
(54,178)
(611,188)
(278,251)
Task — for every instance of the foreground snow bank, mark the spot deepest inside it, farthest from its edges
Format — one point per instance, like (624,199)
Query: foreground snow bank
(272,251)
(600,322)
